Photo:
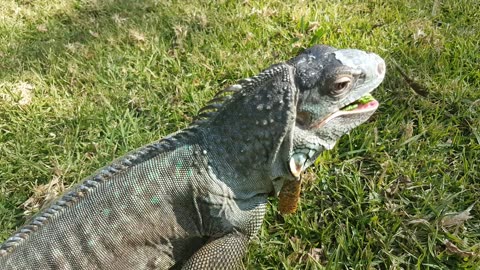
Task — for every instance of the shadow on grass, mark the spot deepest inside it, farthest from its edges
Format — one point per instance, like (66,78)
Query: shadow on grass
(87,29)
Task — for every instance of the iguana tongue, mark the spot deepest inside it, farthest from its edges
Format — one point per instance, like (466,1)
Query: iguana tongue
(371,104)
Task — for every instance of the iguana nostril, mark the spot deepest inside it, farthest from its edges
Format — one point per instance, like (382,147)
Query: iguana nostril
(381,68)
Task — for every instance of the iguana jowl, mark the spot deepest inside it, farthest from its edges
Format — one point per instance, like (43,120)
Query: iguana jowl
(194,199)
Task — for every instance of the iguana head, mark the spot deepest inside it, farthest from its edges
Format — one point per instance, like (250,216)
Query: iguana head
(274,125)
(333,98)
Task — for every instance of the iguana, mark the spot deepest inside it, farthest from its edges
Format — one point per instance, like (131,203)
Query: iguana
(195,198)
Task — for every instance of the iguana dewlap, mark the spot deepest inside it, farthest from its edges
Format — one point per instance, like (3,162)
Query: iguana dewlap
(194,199)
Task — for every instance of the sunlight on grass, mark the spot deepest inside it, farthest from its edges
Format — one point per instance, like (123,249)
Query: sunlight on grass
(83,82)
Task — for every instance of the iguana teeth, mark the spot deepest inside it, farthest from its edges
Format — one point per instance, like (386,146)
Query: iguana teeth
(297,162)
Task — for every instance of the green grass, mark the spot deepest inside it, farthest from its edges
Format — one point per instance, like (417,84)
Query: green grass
(82,82)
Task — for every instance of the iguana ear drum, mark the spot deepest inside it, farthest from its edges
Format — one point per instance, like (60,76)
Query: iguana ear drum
(289,197)
(297,164)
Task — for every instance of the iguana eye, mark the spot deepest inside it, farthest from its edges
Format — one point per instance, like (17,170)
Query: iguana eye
(341,85)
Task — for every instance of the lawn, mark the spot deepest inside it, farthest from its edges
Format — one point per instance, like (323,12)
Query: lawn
(83,82)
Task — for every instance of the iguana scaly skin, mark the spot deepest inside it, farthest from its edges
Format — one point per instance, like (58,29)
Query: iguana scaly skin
(194,199)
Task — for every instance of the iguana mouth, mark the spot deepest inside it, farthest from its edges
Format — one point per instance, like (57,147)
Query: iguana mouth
(364,104)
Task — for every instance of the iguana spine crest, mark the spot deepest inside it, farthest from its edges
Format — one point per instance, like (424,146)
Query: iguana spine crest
(215,104)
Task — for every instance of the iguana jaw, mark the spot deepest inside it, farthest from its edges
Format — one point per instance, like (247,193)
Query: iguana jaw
(299,160)
(361,107)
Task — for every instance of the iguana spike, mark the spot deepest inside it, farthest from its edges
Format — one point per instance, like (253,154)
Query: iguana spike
(245,81)
(205,115)
(219,99)
(211,107)
(231,89)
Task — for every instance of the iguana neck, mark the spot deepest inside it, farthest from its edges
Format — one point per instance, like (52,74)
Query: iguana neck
(248,164)
(250,134)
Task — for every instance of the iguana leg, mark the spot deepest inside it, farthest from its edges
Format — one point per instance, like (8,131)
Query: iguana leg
(226,252)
